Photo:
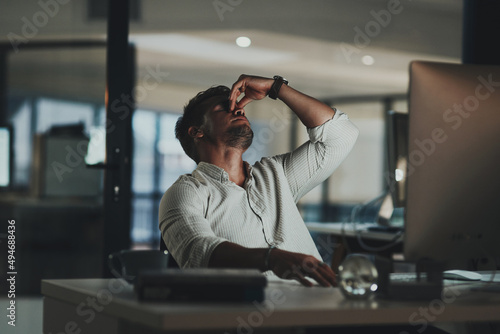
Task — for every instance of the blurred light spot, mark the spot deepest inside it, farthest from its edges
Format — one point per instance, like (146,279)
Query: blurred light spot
(243,42)
(368,60)
(399,175)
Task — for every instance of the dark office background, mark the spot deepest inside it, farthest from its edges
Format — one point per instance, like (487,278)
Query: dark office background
(92,99)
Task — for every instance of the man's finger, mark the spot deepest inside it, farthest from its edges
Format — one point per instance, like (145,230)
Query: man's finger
(328,273)
(233,102)
(236,90)
(243,102)
(320,272)
(304,281)
(320,278)
(233,96)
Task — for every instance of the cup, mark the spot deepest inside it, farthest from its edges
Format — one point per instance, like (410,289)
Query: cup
(358,277)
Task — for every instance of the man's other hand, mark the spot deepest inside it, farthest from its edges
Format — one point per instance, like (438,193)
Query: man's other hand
(289,265)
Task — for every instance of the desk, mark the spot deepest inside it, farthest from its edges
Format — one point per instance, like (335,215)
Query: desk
(350,234)
(109,306)
(349,231)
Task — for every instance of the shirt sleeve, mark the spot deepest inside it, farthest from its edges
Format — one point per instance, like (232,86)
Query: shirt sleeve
(184,228)
(315,160)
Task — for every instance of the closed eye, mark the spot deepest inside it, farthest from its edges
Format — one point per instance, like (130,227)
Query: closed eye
(223,106)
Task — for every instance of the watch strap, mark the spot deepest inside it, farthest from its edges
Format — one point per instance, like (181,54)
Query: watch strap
(275,88)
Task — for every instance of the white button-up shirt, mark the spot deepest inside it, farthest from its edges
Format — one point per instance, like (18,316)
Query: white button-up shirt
(203,209)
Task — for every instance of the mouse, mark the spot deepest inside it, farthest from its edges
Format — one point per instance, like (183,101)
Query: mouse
(462,275)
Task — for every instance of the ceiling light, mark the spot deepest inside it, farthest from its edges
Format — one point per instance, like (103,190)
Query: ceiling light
(368,60)
(243,41)
(210,50)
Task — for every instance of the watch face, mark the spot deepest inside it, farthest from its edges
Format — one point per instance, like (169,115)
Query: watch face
(276,77)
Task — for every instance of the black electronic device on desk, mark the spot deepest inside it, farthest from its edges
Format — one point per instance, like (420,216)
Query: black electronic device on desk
(443,172)
(212,285)
(452,180)
(424,283)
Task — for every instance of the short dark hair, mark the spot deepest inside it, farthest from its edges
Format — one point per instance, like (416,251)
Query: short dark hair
(193,116)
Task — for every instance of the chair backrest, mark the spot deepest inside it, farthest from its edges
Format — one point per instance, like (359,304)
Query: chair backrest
(171,261)
(127,264)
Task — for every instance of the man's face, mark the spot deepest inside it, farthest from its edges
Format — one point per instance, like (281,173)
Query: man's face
(232,128)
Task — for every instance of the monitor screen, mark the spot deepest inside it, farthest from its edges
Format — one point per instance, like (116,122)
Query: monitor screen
(453,180)
(5,157)
(397,146)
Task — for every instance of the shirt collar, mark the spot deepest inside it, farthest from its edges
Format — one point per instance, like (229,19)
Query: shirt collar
(215,172)
(218,173)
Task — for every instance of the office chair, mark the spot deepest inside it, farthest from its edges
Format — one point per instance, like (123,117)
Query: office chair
(171,261)
(128,263)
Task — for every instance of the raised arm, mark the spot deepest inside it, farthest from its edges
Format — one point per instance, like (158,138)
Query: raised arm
(310,111)
(329,144)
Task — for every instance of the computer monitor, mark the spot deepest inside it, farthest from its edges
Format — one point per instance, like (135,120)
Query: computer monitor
(5,157)
(397,153)
(453,173)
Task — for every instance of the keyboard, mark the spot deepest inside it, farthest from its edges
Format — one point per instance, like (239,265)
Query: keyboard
(487,287)
(406,277)
(406,286)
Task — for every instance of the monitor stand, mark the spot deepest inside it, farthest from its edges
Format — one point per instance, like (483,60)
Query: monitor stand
(389,218)
(425,284)
(386,210)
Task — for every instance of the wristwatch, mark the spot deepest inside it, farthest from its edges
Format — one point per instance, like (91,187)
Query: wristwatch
(275,88)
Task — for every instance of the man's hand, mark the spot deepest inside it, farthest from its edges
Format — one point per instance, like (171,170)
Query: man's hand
(285,264)
(310,111)
(289,265)
(254,88)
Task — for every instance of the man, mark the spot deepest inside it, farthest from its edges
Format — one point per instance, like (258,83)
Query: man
(230,214)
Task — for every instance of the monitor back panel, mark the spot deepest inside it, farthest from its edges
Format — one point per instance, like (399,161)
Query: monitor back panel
(453,170)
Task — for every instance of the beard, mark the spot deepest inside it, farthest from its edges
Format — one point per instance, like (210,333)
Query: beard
(239,137)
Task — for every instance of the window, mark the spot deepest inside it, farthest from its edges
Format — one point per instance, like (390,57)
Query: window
(52,112)
(158,161)
(173,160)
(37,115)
(21,123)
(145,136)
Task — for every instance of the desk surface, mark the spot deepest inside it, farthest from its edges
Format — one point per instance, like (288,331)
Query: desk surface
(350,230)
(286,305)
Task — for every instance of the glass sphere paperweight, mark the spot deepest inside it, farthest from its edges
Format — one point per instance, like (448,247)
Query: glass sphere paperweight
(358,277)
